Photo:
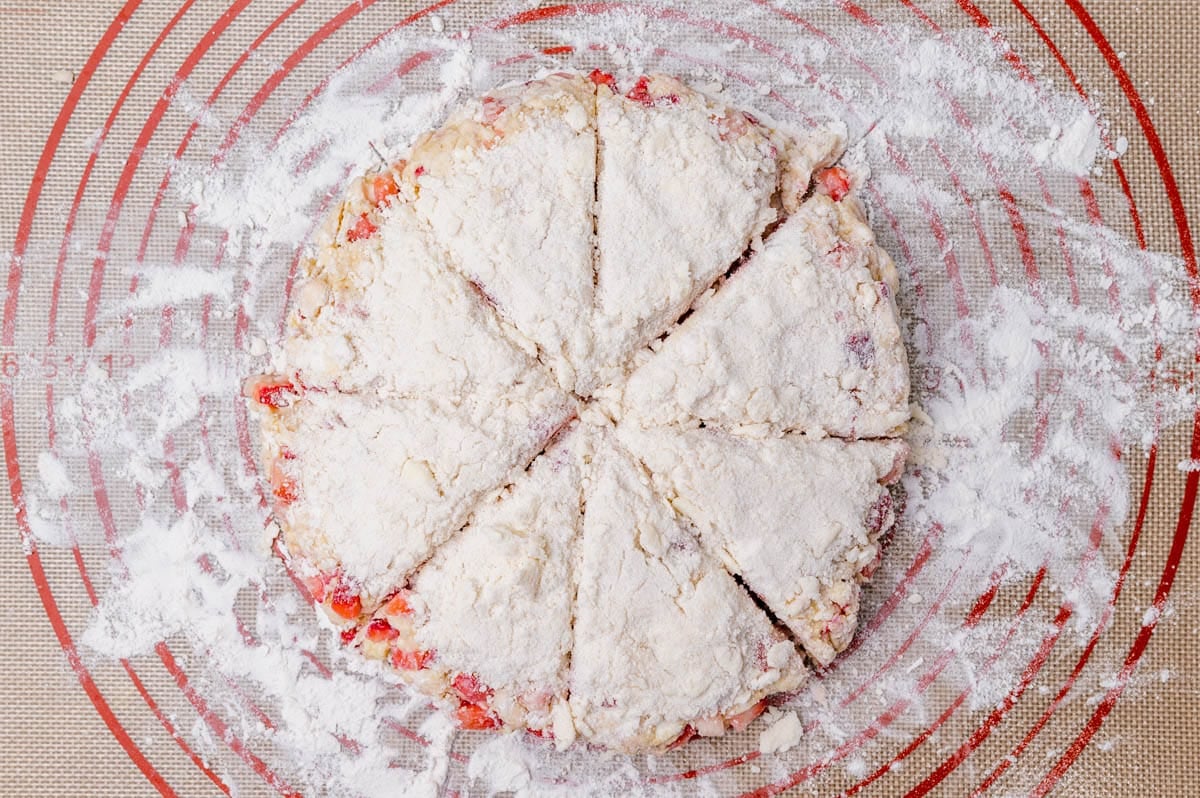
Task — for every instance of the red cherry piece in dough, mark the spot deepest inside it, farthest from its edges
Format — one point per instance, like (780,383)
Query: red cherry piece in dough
(380,631)
(381,187)
(601,78)
(468,686)
(397,605)
(287,491)
(640,93)
(272,392)
(475,717)
(363,228)
(836,182)
(411,660)
(345,602)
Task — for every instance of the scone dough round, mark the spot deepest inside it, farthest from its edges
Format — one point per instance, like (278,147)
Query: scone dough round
(587,411)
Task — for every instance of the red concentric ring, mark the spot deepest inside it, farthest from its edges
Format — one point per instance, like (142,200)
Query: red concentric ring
(1035,264)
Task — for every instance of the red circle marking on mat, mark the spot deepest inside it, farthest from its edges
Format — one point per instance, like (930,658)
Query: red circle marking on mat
(1023,239)
(11,294)
(1151,459)
(135,157)
(1018,225)
(168,725)
(53,140)
(93,156)
(895,710)
(8,417)
(1035,665)
(18,250)
(94,464)
(243,119)
(34,560)
(234,133)
(1093,213)
(1192,480)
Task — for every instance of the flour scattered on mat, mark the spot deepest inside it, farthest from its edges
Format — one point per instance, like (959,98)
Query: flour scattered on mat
(1025,386)
(782,733)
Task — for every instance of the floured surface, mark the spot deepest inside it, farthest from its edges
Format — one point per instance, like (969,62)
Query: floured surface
(684,186)
(798,520)
(508,185)
(802,338)
(662,634)
(425,278)
(987,356)
(379,485)
(385,315)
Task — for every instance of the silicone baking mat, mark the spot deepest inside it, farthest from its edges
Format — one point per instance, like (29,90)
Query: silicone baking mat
(107,106)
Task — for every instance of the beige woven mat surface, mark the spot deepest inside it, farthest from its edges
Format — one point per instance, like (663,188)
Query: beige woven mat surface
(54,742)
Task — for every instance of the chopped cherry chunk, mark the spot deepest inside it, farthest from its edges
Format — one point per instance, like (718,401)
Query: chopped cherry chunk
(380,631)
(467,686)
(640,93)
(411,660)
(492,108)
(836,182)
(475,717)
(348,635)
(602,78)
(397,605)
(271,391)
(274,395)
(345,602)
(363,228)
(381,187)
(286,490)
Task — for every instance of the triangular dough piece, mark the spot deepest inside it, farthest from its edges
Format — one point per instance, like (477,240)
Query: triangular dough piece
(387,314)
(494,603)
(664,637)
(797,519)
(371,488)
(685,185)
(804,337)
(508,187)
